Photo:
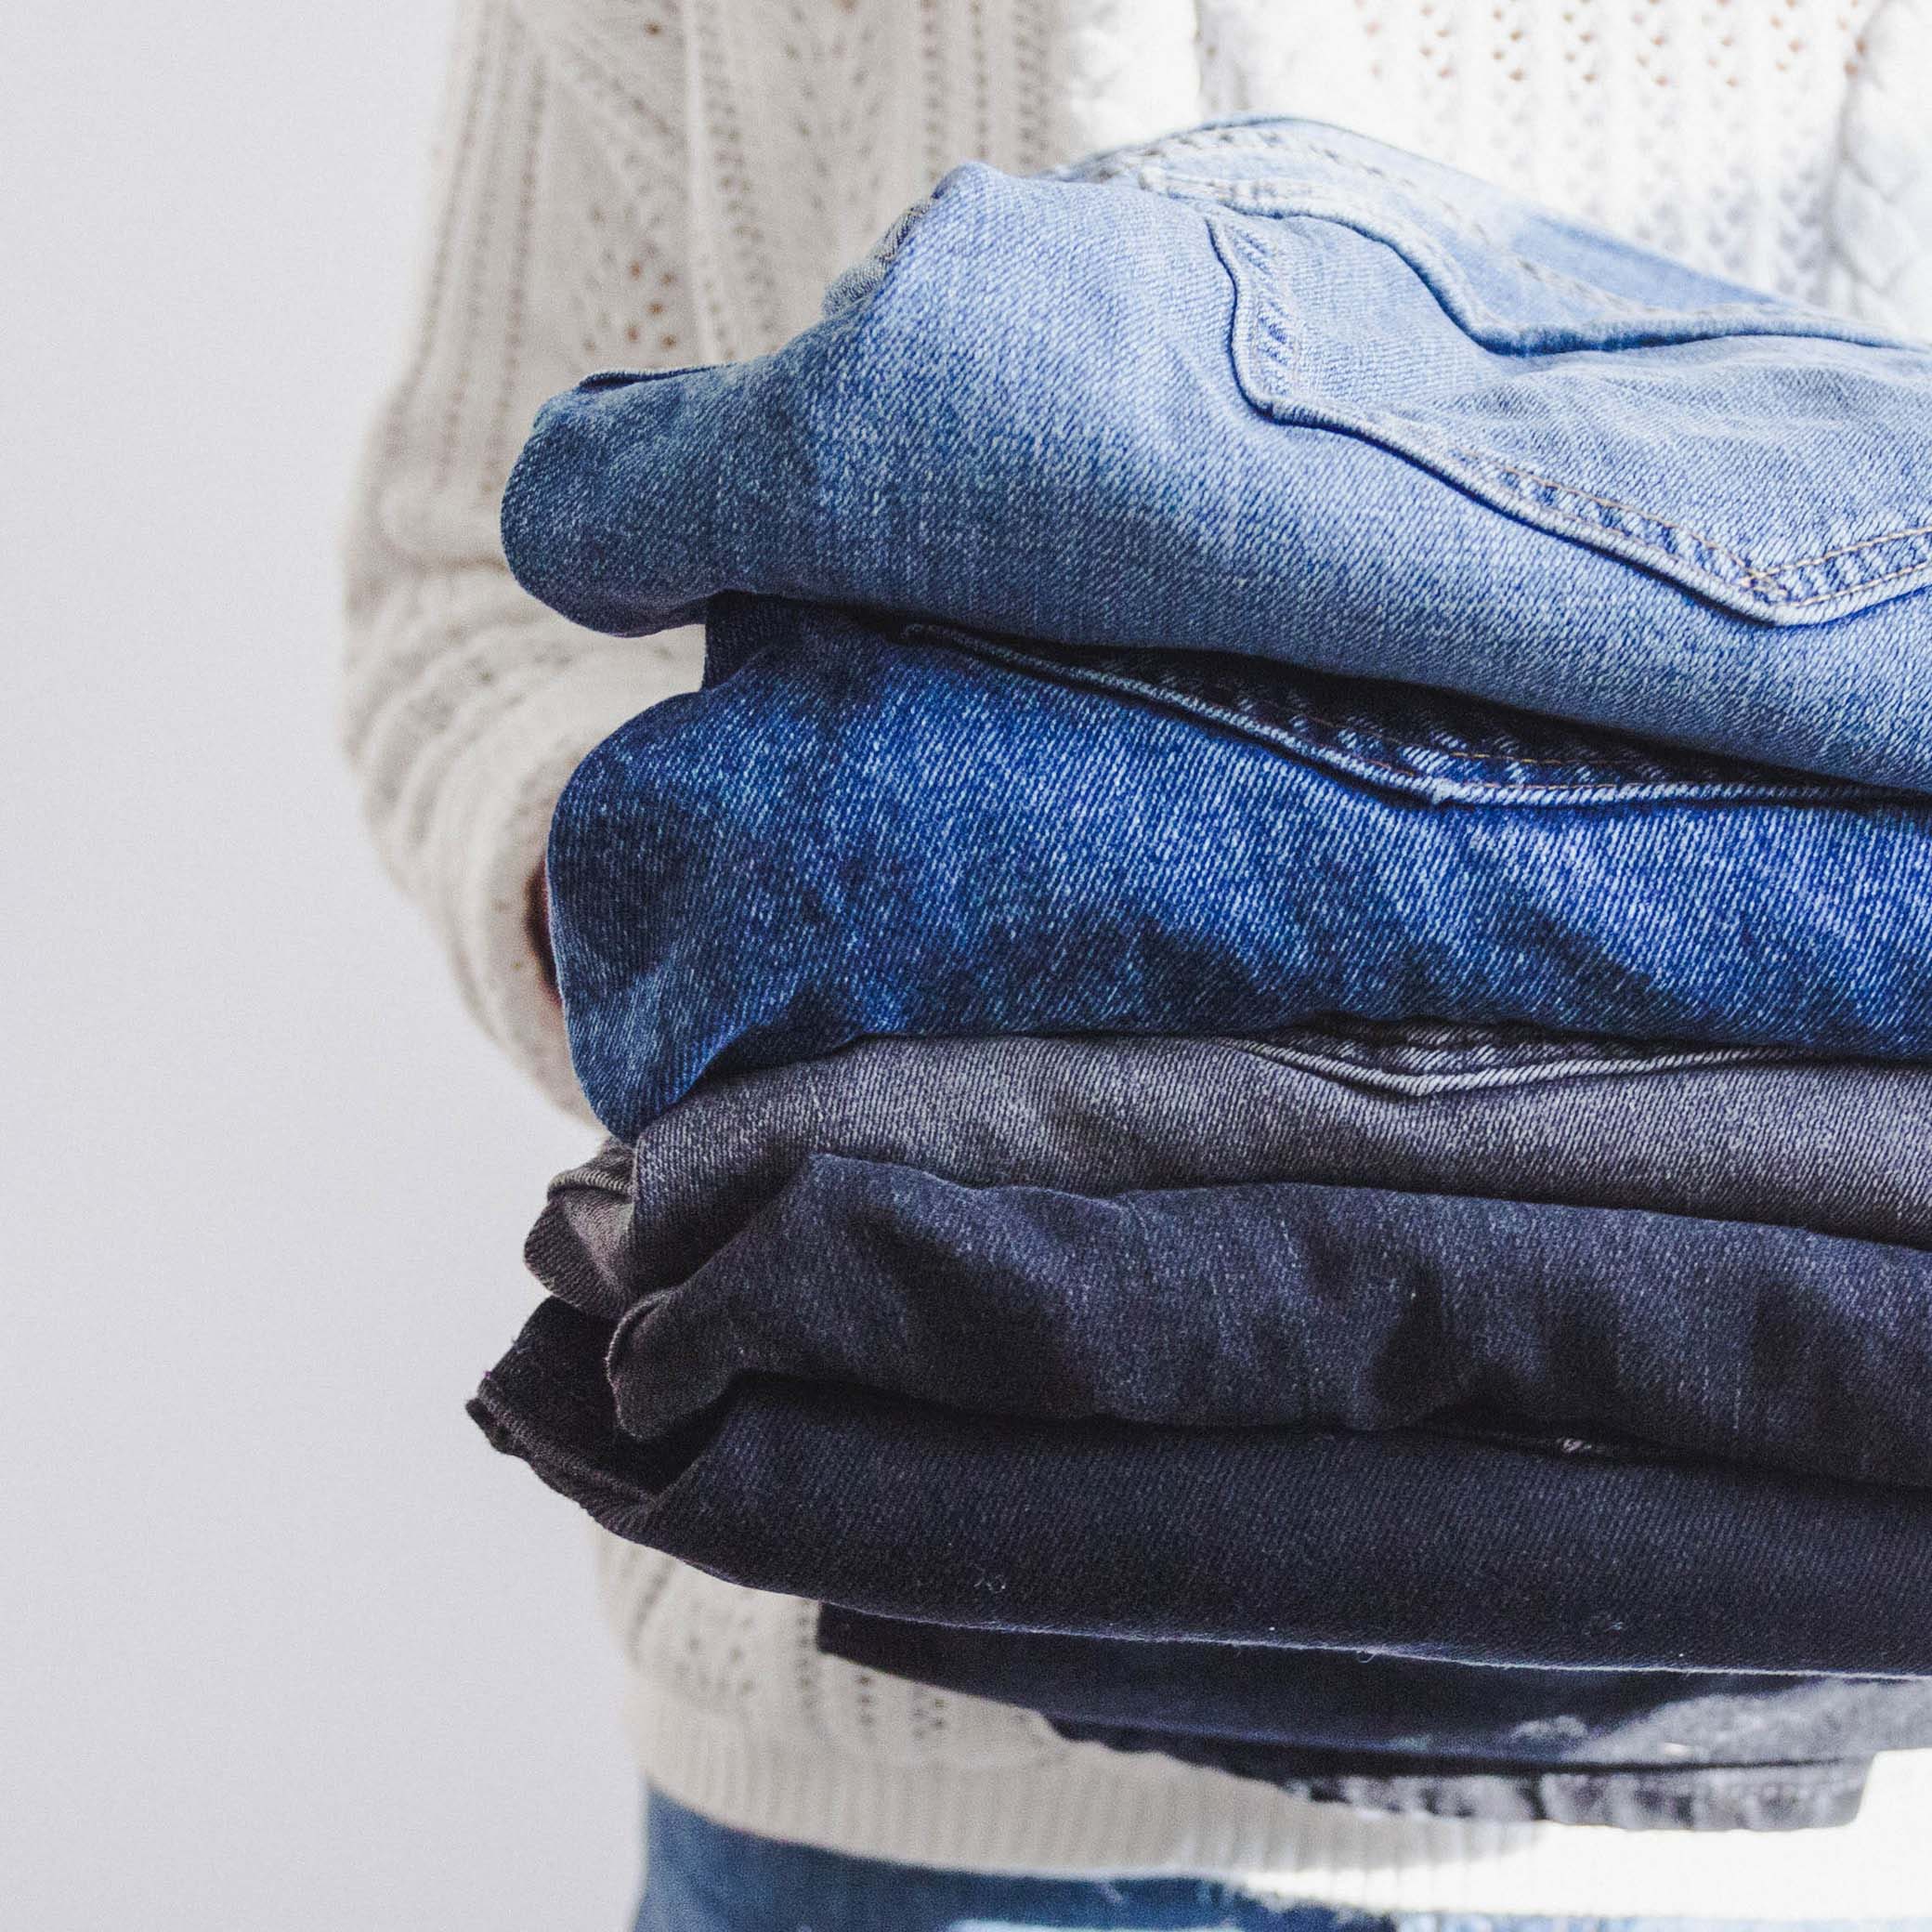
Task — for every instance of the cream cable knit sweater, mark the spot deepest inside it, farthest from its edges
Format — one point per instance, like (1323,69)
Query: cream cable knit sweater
(640,182)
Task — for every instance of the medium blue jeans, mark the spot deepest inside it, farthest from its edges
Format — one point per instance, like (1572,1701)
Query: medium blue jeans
(849,833)
(705,1877)
(1277,389)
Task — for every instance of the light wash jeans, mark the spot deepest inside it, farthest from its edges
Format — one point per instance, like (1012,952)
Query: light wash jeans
(1272,388)
(705,1877)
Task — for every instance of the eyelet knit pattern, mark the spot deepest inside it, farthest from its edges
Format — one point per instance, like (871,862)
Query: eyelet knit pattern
(737,1713)
(645,183)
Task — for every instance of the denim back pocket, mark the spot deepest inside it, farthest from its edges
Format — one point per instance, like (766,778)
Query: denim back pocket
(1775,459)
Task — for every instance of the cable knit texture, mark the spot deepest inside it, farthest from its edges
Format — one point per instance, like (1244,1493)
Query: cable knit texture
(645,183)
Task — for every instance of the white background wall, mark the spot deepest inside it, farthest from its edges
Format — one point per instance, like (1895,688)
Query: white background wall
(282,1643)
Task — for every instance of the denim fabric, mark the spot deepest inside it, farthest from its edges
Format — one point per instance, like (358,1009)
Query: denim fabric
(1642,1749)
(1422,1108)
(1274,389)
(847,835)
(1586,1557)
(1844,1149)
(1293,1306)
(706,1878)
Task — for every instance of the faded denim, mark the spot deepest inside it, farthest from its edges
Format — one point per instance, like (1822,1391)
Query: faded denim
(1271,387)
(1844,1148)
(848,834)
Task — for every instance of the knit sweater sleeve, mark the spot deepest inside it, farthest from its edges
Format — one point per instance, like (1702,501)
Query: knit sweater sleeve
(464,704)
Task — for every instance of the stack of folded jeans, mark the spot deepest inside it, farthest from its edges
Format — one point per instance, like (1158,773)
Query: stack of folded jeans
(1264,1035)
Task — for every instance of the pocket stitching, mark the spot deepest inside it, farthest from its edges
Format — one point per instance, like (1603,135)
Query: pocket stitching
(1912,570)
(1295,142)
(1752,578)
(1805,563)
(1609,503)
(1227,192)
(1758,580)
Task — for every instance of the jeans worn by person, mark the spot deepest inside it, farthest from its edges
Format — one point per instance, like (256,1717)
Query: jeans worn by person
(1271,387)
(1490,1546)
(706,1878)
(1643,1750)
(848,834)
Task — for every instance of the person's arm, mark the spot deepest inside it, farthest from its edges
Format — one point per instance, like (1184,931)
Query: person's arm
(465,704)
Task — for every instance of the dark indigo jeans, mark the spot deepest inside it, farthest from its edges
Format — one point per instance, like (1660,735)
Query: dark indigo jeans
(1417,1108)
(849,834)
(1292,1306)
(1274,389)
(1477,1548)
